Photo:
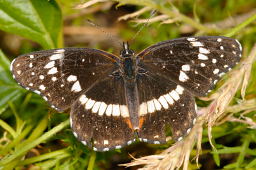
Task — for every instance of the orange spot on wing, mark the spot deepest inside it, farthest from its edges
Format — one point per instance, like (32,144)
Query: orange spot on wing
(127,120)
(142,119)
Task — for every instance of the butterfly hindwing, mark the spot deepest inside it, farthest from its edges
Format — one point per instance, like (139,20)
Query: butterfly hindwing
(196,63)
(61,75)
(100,116)
(165,105)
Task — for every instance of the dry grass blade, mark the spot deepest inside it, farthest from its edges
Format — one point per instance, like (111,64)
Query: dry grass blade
(151,20)
(134,14)
(89,10)
(89,3)
(178,154)
(248,67)
(170,21)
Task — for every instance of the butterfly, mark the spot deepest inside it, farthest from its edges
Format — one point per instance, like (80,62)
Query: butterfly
(114,100)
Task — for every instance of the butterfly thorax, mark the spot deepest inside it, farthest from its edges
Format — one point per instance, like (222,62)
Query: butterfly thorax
(128,64)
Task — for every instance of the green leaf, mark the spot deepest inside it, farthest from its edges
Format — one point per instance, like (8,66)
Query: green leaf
(37,20)
(9,89)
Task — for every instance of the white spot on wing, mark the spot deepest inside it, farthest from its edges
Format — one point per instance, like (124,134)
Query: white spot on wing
(195,107)
(219,39)
(50,64)
(42,87)
(30,65)
(163,102)
(31,56)
(45,98)
(109,110)
(37,92)
(179,89)
(118,147)
(71,78)
(105,142)
(191,39)
(169,99)
(11,66)
(124,111)
(221,74)
(156,142)
(157,104)
(185,67)
(102,109)
(183,76)
(41,77)
(89,104)
(214,60)
(196,44)
(53,70)
(202,65)
(240,46)
(19,72)
(202,57)
(174,95)
(83,99)
(151,106)
(74,133)
(105,149)
(56,56)
(143,109)
(221,47)
(216,71)
(116,110)
(70,120)
(96,107)
(60,51)
(203,50)
(180,138)
(54,78)
(76,87)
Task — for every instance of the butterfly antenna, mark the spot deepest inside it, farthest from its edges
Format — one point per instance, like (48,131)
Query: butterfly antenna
(152,13)
(109,35)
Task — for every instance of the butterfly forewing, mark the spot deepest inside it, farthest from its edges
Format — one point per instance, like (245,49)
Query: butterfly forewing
(196,63)
(61,75)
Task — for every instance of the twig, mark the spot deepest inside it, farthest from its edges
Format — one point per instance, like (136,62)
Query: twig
(134,14)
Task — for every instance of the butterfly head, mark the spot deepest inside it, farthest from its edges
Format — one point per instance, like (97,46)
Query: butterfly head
(126,51)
